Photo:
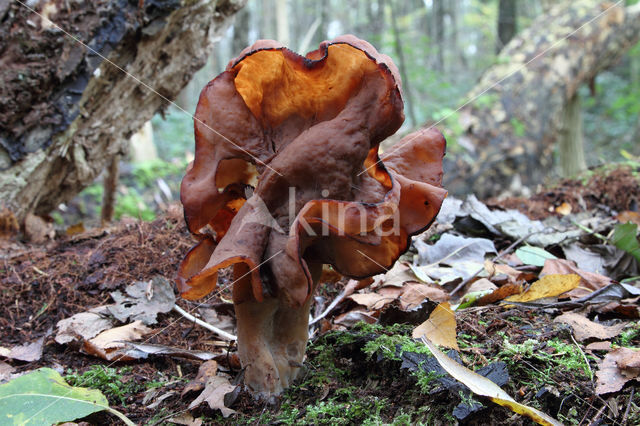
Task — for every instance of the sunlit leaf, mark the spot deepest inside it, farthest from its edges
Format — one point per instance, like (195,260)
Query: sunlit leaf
(43,397)
(440,327)
(547,286)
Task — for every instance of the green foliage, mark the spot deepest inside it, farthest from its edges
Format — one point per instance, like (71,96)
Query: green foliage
(624,237)
(364,410)
(108,380)
(43,397)
(173,133)
(131,204)
(146,173)
(519,128)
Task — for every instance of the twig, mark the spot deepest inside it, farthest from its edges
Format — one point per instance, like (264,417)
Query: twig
(626,412)
(348,290)
(586,361)
(498,257)
(206,325)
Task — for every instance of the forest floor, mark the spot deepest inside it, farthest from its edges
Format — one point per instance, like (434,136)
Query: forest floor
(354,372)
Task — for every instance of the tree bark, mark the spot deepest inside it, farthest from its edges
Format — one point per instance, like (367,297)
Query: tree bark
(512,122)
(507,22)
(571,142)
(64,112)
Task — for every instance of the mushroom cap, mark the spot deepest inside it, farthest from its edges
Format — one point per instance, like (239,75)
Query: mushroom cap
(287,173)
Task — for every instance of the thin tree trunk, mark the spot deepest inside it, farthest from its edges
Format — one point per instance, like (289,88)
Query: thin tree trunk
(110,186)
(507,22)
(282,19)
(438,16)
(571,141)
(403,68)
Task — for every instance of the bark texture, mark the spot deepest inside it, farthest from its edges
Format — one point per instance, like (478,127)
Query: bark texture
(64,112)
(511,128)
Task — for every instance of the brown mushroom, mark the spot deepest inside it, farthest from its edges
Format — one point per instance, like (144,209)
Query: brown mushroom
(308,128)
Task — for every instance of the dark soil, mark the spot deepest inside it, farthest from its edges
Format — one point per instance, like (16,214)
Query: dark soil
(614,191)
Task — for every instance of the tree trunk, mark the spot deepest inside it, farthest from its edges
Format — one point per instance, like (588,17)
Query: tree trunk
(65,112)
(507,22)
(571,142)
(403,67)
(513,119)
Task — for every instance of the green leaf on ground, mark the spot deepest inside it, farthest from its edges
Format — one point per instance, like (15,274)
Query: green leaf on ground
(535,256)
(43,397)
(624,237)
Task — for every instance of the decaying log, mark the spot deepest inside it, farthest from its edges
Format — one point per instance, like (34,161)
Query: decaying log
(511,129)
(64,111)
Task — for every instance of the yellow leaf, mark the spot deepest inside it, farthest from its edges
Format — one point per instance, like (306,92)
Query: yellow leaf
(482,386)
(440,328)
(547,286)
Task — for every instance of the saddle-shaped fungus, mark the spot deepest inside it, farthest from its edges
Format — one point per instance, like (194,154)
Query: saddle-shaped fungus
(308,128)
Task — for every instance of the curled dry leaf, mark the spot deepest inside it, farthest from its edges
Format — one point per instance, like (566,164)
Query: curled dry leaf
(27,352)
(611,376)
(207,370)
(440,328)
(83,326)
(143,300)
(482,386)
(584,329)
(547,286)
(589,280)
(214,391)
(106,345)
(499,294)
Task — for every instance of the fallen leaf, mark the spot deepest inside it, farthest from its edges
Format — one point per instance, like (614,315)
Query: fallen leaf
(76,229)
(83,326)
(398,275)
(42,397)
(143,350)
(599,346)
(451,249)
(499,294)
(547,286)
(484,387)
(624,237)
(215,390)
(536,256)
(207,370)
(371,300)
(27,352)
(5,371)
(351,318)
(106,344)
(630,360)
(564,209)
(9,227)
(37,230)
(589,280)
(440,328)
(629,216)
(414,294)
(144,300)
(610,377)
(584,329)
(185,419)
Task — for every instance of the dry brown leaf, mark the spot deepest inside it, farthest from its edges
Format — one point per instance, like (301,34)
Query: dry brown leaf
(499,294)
(547,286)
(185,419)
(76,229)
(5,371)
(371,300)
(207,369)
(106,344)
(215,390)
(37,230)
(629,216)
(564,209)
(83,326)
(584,329)
(589,280)
(8,224)
(398,275)
(413,294)
(349,319)
(610,377)
(630,361)
(27,352)
(440,327)
(599,346)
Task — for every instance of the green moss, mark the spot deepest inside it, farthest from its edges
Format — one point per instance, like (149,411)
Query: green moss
(110,381)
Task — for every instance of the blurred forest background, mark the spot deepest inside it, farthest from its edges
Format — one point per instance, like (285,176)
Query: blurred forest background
(443,48)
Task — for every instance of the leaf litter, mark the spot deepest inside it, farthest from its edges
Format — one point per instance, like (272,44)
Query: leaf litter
(81,271)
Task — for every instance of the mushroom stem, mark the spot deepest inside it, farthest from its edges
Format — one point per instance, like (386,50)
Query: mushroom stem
(272,338)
